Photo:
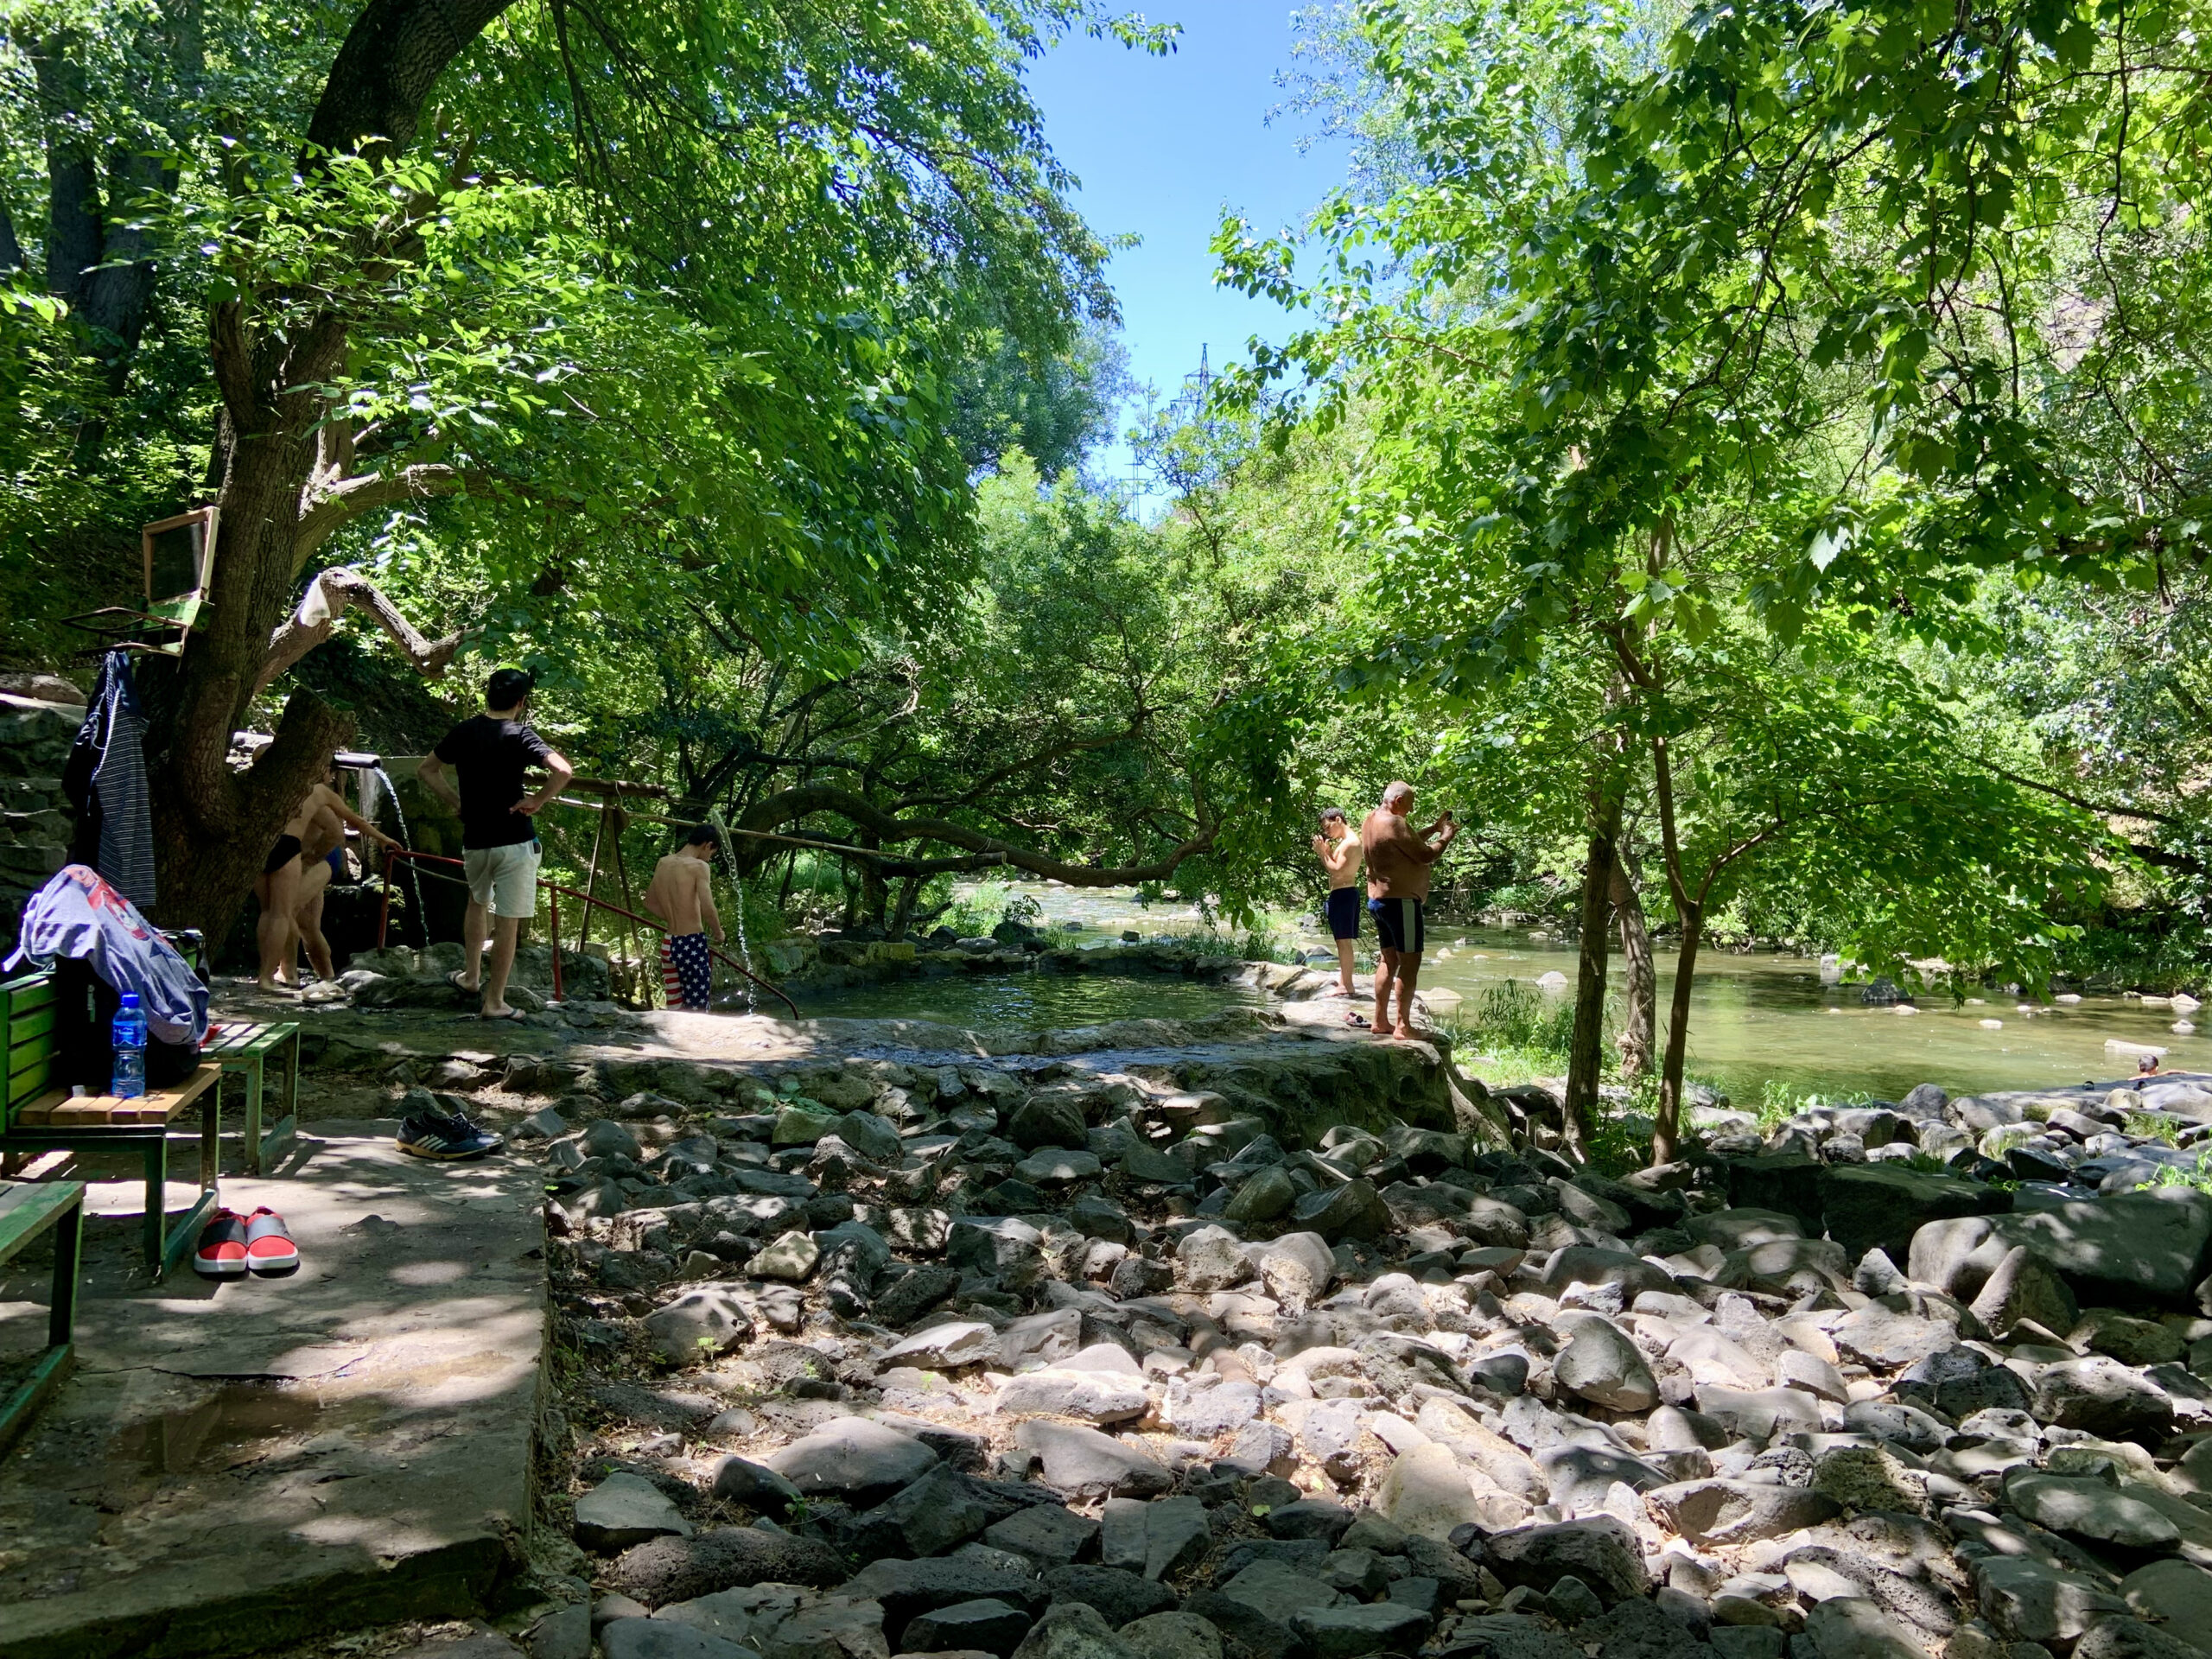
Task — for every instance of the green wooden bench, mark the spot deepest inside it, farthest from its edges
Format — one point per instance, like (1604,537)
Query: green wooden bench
(244,1050)
(26,1211)
(39,1117)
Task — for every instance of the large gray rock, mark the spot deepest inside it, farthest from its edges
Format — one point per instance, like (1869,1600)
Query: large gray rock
(1882,1206)
(1049,1121)
(1346,1632)
(1000,1247)
(1278,1590)
(1046,1534)
(873,1137)
(1428,1492)
(2131,1638)
(1118,1594)
(1297,1268)
(2103,1397)
(1073,1630)
(698,1325)
(1173,1635)
(2029,1601)
(625,1510)
(2023,1286)
(905,1589)
(1852,1627)
(1355,1210)
(854,1459)
(649,1638)
(1088,1396)
(986,1626)
(2177,1593)
(1601,1365)
(684,1569)
(1599,1550)
(1211,1258)
(939,1512)
(1711,1513)
(2084,1507)
(1084,1463)
(2130,1246)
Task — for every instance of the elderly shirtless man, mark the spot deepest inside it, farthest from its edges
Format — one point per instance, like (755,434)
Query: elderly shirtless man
(682,896)
(320,820)
(1398,859)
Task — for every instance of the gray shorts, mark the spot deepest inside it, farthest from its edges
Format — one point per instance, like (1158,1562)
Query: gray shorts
(504,880)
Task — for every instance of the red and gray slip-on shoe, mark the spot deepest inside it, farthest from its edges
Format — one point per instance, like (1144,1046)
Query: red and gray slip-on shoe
(269,1247)
(221,1251)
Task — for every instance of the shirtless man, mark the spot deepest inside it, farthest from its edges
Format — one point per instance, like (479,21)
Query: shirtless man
(323,860)
(1338,850)
(323,817)
(681,896)
(1398,860)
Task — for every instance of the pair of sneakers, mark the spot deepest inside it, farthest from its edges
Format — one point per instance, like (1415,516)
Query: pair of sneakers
(231,1245)
(448,1136)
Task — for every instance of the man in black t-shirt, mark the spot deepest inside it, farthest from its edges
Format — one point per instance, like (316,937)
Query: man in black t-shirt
(499,839)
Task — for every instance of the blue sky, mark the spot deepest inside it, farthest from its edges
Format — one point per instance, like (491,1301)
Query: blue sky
(1161,145)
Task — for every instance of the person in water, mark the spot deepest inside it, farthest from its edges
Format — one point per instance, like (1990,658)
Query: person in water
(1398,861)
(323,816)
(1338,850)
(682,896)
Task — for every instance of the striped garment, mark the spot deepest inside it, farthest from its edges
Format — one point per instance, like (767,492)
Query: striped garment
(114,727)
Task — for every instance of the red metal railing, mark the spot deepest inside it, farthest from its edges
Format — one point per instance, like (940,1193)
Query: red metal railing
(554,889)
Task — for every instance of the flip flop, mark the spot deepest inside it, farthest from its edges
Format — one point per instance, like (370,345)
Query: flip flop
(511,1013)
(1359,1019)
(454,979)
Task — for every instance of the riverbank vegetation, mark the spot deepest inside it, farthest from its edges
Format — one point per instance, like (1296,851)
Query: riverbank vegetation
(1756,515)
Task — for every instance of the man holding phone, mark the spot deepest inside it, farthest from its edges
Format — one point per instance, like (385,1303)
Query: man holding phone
(1398,859)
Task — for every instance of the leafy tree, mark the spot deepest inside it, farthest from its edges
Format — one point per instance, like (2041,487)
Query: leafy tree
(624,308)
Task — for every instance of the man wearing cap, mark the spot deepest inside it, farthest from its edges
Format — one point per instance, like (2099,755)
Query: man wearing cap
(498,838)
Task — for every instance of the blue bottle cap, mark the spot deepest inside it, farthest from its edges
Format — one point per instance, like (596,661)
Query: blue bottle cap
(130,999)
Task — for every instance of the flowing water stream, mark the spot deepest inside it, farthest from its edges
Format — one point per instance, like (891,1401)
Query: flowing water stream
(1756,1020)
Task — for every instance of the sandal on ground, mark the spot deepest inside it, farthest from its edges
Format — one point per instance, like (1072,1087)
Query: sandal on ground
(510,1013)
(1359,1019)
(455,980)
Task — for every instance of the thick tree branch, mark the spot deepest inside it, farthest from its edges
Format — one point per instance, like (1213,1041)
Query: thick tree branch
(330,507)
(330,595)
(791,804)
(2102,808)
(393,56)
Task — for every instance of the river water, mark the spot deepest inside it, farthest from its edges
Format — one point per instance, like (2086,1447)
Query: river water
(1756,1020)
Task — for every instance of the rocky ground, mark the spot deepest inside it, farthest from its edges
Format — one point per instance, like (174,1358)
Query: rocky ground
(1134,1358)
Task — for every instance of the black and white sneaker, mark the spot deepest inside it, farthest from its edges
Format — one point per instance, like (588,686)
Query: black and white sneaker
(447,1137)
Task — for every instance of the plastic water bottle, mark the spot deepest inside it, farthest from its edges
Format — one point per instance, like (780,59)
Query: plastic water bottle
(130,1033)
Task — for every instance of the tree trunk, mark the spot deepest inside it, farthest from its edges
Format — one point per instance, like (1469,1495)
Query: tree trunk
(1584,1062)
(1639,1032)
(902,914)
(212,828)
(1666,1134)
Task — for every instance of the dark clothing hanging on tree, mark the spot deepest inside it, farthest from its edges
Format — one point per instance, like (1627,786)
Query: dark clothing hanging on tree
(105,783)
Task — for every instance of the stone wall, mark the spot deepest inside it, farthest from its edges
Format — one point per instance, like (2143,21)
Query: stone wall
(34,738)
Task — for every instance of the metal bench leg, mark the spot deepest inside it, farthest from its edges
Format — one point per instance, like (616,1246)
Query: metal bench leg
(158,1173)
(279,1139)
(252,1070)
(182,1237)
(68,1235)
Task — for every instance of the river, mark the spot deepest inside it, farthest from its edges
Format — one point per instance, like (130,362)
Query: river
(1757,1019)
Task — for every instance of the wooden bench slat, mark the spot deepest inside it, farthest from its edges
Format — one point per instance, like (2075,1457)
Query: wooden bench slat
(26,1211)
(59,1109)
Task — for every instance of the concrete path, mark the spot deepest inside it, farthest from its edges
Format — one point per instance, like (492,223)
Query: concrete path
(240,1464)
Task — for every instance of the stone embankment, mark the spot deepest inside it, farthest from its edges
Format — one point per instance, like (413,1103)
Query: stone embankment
(1239,1338)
